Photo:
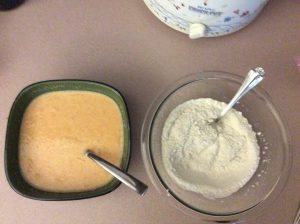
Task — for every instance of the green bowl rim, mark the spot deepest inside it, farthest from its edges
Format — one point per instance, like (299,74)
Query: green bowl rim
(116,183)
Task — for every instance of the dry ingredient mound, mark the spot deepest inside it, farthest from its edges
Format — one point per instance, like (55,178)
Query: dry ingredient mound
(214,160)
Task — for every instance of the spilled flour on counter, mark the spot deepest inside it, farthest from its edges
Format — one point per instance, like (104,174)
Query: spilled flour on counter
(214,160)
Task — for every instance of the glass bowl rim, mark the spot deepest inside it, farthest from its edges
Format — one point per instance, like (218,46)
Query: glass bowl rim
(163,189)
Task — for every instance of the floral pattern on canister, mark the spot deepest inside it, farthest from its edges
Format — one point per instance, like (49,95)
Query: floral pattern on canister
(220,17)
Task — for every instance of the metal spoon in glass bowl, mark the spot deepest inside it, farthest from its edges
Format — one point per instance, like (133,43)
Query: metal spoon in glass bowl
(122,176)
(254,77)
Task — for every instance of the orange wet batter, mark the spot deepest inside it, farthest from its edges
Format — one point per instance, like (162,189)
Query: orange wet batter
(57,129)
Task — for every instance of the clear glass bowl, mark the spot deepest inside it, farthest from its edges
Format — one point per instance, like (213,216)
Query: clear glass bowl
(273,139)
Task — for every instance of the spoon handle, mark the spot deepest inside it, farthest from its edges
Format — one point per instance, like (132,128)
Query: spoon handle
(297,217)
(125,178)
(254,77)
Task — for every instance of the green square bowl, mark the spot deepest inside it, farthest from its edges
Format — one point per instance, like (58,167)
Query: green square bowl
(12,168)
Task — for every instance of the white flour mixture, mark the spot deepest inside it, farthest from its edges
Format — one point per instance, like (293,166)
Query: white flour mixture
(214,160)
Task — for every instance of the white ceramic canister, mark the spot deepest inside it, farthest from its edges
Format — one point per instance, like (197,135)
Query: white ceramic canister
(206,18)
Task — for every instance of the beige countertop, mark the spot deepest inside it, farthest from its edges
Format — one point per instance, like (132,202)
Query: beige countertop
(121,43)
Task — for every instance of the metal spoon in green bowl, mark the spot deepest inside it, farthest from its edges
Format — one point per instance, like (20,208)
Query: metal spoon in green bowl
(122,176)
